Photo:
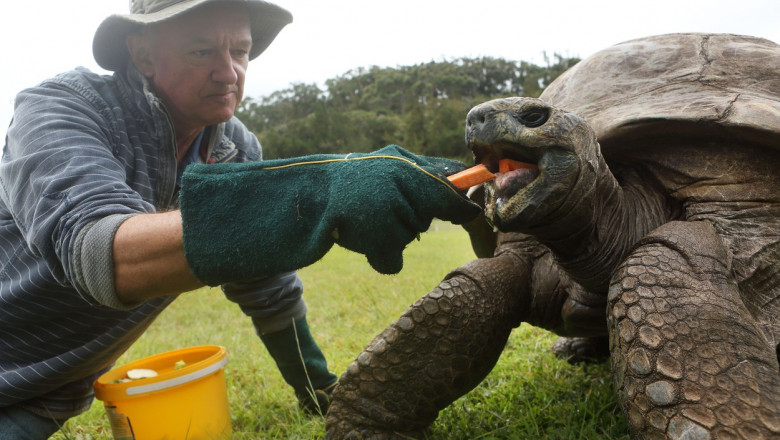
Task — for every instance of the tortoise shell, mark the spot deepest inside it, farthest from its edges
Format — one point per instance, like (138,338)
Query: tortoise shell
(687,84)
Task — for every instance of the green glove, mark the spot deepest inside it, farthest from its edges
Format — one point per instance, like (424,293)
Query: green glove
(253,219)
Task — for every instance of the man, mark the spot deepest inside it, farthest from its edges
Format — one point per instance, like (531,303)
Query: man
(93,244)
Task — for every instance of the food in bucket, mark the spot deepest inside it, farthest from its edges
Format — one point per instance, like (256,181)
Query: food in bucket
(136,374)
(146,373)
(141,373)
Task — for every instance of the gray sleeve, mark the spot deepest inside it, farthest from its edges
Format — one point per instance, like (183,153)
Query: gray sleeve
(272,302)
(94,262)
(66,187)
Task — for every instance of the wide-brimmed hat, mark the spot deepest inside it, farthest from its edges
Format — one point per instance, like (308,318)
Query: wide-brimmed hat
(109,48)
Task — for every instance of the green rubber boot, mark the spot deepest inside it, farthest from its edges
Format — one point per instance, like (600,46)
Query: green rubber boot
(303,366)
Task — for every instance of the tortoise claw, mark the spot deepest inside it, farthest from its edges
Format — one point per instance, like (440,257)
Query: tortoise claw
(591,350)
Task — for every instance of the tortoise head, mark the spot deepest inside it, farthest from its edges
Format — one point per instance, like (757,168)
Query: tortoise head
(561,145)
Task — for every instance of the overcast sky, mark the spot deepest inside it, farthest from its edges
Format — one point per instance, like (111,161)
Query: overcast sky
(327,38)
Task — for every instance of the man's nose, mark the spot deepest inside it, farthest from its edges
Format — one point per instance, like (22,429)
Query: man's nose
(225,69)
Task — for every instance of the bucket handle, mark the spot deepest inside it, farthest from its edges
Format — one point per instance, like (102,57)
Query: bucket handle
(165,384)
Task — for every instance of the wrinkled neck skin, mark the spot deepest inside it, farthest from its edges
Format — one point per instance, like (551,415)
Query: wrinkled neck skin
(597,220)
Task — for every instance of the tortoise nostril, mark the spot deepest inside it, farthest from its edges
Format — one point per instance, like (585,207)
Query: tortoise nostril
(476,116)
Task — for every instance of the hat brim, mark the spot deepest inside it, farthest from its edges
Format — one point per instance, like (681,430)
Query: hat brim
(110,50)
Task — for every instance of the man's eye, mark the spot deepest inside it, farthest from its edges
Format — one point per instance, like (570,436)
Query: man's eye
(201,53)
(240,53)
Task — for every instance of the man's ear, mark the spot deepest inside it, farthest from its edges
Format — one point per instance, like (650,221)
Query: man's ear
(138,44)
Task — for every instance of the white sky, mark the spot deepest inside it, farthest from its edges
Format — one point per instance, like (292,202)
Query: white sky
(327,38)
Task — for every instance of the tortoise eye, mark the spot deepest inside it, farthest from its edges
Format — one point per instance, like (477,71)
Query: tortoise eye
(534,117)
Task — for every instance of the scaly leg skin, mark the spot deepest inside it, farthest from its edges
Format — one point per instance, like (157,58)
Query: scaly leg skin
(447,342)
(439,349)
(689,361)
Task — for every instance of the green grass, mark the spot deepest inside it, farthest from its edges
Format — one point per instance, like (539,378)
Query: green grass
(529,395)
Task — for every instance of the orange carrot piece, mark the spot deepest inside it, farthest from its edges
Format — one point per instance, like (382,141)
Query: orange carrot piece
(471,177)
(480,174)
(506,165)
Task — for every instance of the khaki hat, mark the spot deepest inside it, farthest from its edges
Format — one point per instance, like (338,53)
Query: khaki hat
(109,48)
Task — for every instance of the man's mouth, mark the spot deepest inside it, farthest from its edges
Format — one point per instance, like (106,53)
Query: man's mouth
(222,95)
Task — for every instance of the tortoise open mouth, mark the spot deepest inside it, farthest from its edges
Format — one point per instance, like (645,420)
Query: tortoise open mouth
(511,176)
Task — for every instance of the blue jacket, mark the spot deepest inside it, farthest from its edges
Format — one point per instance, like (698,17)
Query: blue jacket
(83,153)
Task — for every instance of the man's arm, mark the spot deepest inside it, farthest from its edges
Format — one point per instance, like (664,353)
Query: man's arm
(149,258)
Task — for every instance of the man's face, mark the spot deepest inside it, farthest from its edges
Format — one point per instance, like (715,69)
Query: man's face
(198,63)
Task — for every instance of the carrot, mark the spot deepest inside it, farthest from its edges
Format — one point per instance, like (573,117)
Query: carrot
(480,174)
(507,165)
(471,177)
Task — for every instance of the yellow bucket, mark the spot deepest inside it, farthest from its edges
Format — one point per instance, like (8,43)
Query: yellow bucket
(186,400)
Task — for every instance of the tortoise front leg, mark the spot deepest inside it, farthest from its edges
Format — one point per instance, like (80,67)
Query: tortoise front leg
(439,349)
(447,342)
(689,360)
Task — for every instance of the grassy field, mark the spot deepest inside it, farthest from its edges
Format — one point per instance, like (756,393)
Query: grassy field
(529,395)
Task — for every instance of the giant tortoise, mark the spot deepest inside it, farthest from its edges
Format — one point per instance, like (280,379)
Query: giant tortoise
(653,218)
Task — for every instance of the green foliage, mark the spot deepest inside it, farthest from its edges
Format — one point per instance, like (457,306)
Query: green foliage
(529,394)
(421,107)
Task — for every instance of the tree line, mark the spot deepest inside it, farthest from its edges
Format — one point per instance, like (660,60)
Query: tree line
(421,107)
